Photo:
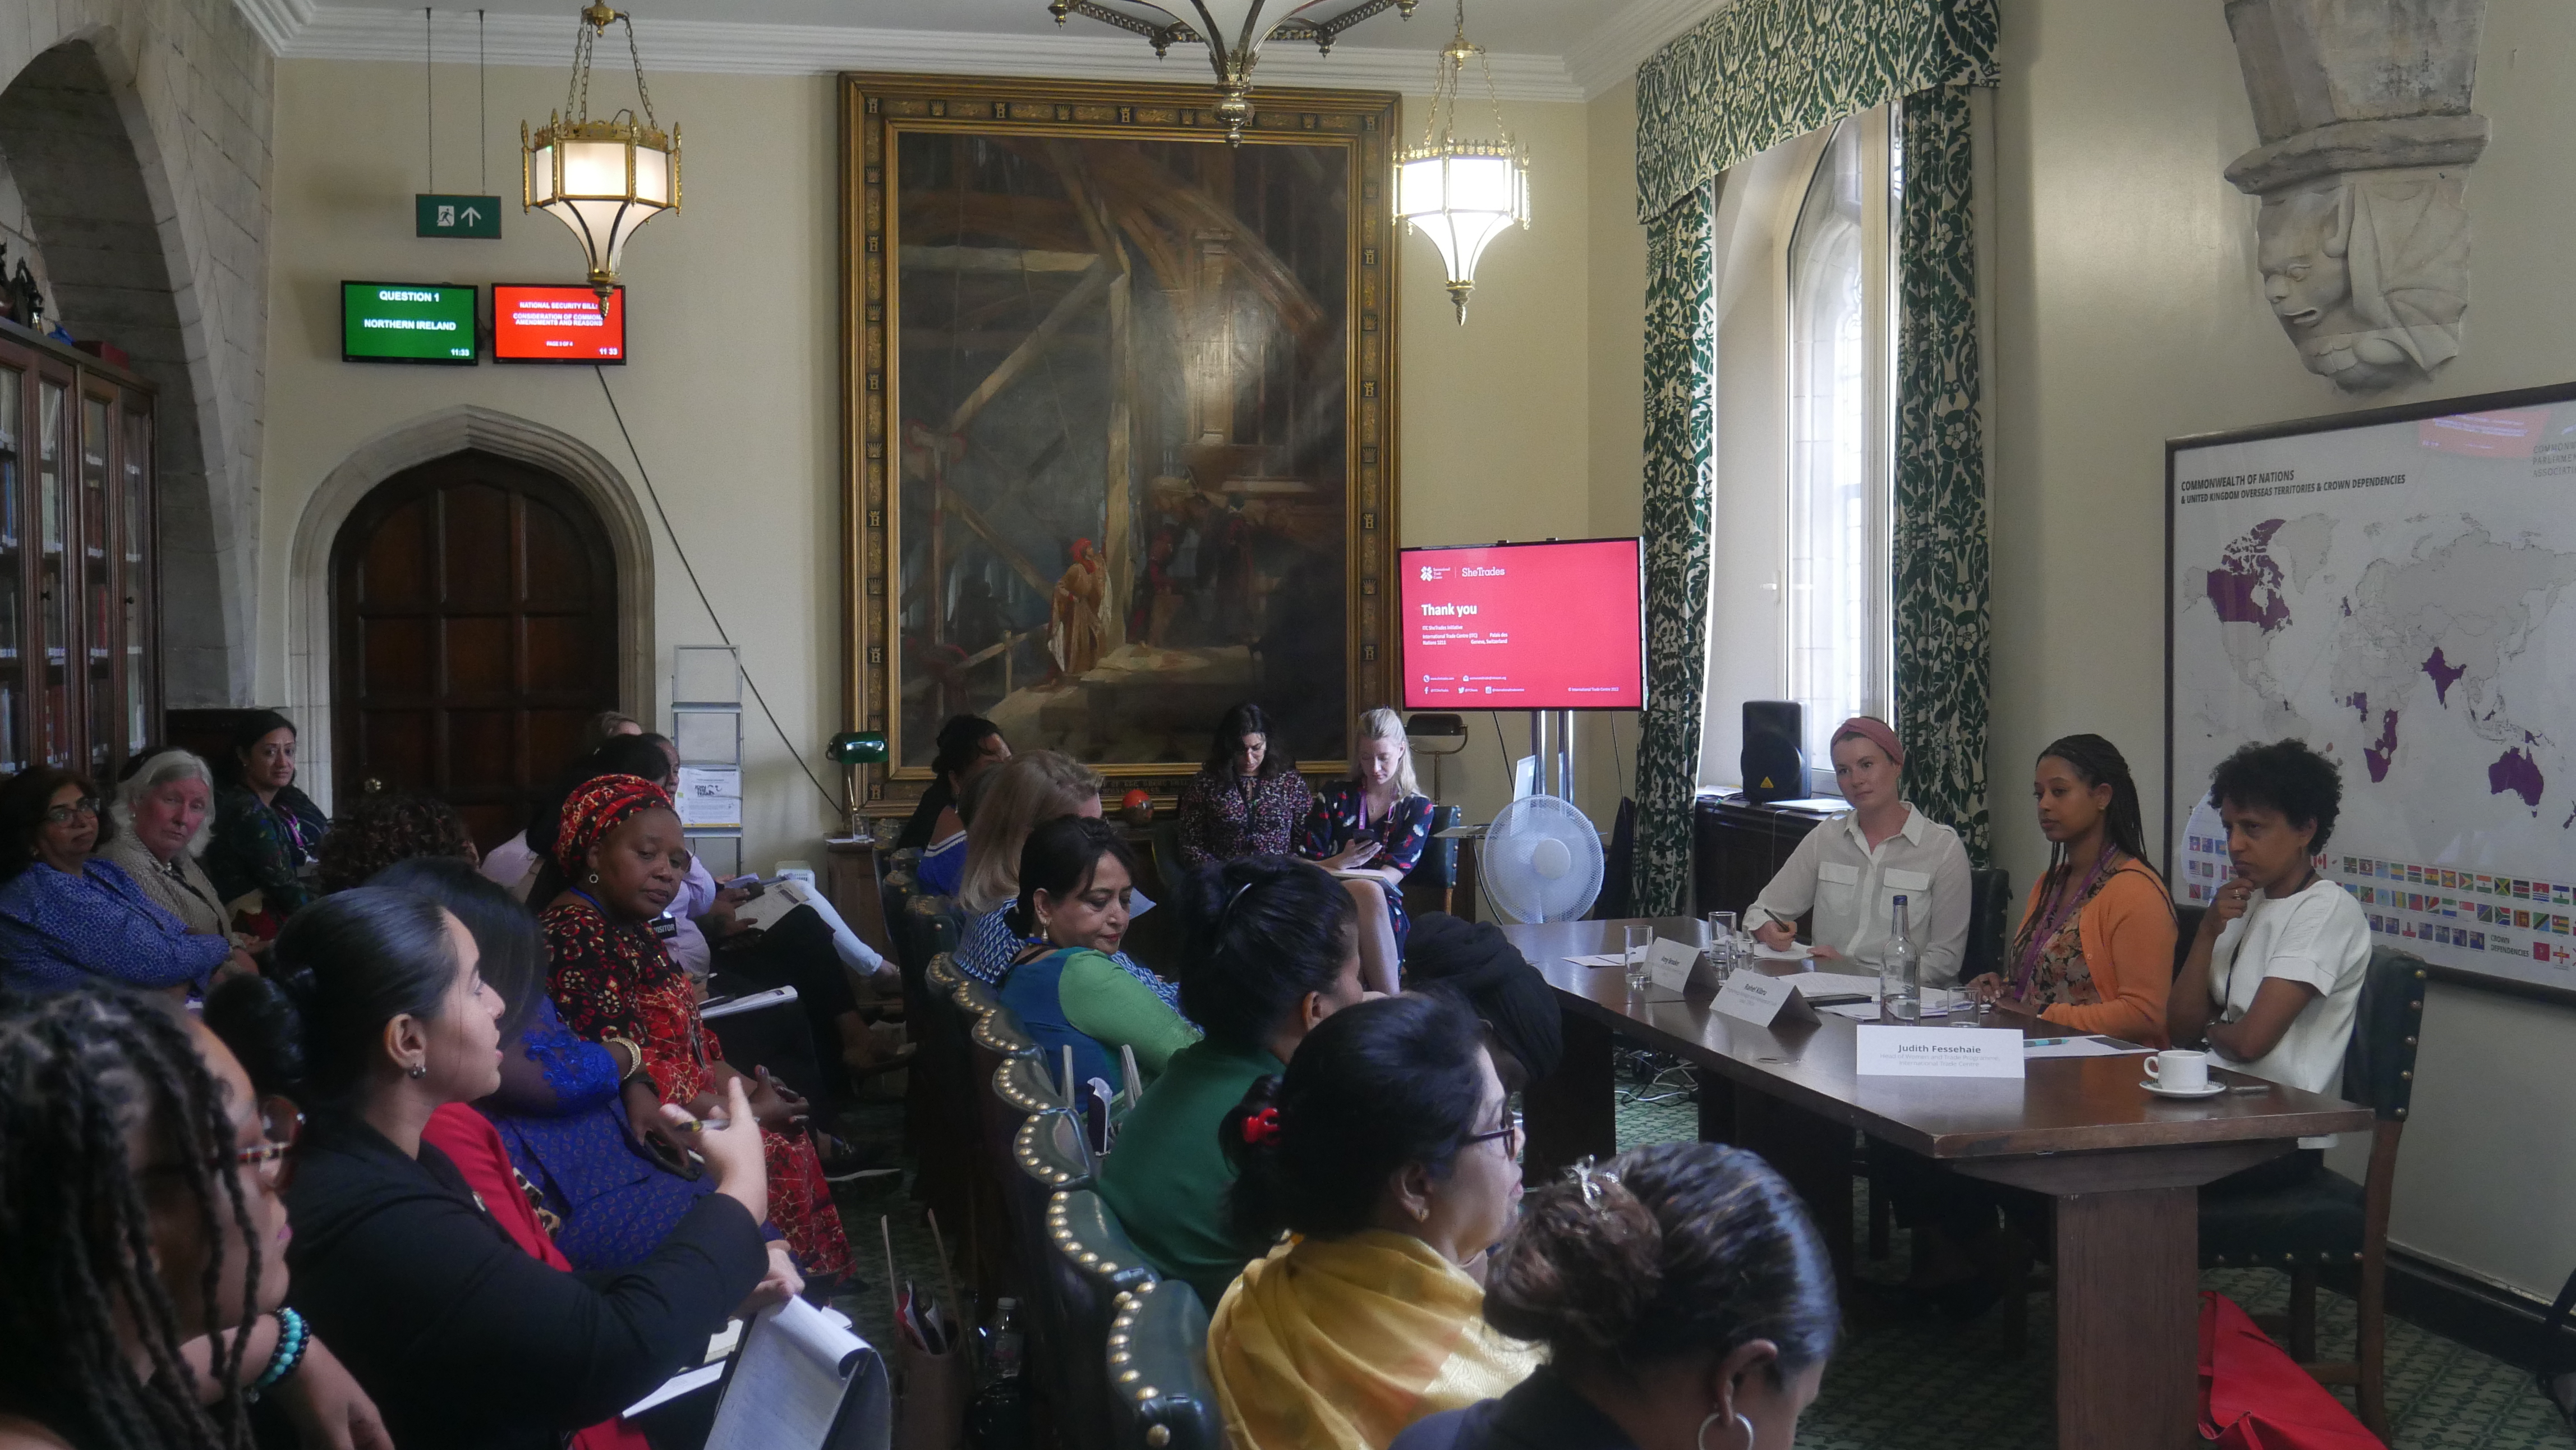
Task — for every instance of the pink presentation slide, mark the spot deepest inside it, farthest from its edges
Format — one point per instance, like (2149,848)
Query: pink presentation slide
(1524,627)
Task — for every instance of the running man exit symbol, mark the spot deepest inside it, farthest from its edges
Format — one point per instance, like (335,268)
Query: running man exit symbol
(477,217)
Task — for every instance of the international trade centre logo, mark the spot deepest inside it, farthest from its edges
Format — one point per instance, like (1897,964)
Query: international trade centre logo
(1431,572)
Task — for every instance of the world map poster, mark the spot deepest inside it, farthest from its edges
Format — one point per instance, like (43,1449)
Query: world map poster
(2401,594)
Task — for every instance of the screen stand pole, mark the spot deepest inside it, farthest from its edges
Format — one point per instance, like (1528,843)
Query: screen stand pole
(1538,753)
(1565,755)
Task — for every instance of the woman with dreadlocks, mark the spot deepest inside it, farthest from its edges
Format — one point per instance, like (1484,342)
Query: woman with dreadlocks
(379,1017)
(140,1231)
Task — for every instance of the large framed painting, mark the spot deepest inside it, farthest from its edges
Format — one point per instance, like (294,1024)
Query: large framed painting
(1121,407)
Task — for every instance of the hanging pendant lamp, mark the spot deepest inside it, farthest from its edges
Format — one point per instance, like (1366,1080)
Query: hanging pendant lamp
(601,178)
(1462,194)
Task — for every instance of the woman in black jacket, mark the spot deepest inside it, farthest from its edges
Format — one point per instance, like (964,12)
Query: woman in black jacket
(461,1337)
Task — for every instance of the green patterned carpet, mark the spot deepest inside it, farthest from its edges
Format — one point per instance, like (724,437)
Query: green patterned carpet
(1922,1385)
(1943,1386)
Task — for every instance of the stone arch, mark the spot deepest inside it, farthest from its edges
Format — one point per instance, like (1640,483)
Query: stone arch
(100,199)
(436,435)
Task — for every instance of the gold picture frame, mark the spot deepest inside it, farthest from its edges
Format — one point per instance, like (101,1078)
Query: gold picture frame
(1047,282)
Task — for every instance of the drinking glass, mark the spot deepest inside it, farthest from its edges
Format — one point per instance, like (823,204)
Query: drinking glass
(1722,955)
(1638,939)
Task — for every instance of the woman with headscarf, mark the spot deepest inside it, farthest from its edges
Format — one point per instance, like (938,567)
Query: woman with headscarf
(616,985)
(1853,869)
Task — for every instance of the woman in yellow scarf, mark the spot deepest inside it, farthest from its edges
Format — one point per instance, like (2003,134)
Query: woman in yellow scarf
(1389,1153)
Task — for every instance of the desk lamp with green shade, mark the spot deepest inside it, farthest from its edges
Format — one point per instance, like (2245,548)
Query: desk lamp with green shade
(851,749)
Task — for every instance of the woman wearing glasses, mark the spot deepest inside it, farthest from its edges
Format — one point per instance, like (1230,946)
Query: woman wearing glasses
(1389,1150)
(141,1237)
(67,920)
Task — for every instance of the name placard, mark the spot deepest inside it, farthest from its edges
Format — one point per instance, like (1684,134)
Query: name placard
(1749,996)
(1939,1052)
(1669,964)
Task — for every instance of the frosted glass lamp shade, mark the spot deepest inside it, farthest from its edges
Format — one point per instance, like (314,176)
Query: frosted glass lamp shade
(603,180)
(1462,195)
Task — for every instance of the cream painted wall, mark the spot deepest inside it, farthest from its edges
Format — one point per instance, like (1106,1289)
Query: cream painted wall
(731,394)
(2128,310)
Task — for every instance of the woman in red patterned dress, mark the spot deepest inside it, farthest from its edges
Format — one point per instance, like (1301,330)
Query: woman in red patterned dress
(614,983)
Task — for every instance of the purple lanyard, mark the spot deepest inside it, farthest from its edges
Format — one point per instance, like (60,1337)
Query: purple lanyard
(2052,921)
(294,829)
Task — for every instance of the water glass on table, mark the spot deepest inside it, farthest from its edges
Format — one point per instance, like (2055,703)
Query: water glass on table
(1723,952)
(1638,940)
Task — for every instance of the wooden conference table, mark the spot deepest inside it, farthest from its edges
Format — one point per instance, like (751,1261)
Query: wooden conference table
(2122,1166)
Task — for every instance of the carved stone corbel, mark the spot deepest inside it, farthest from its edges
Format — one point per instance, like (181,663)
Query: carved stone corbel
(2363,111)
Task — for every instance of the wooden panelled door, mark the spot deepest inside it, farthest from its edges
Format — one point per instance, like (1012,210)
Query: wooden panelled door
(473,633)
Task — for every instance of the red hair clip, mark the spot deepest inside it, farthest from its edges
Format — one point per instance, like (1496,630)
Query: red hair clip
(1261,1127)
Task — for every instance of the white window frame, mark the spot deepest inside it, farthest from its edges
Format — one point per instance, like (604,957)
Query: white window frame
(1817,664)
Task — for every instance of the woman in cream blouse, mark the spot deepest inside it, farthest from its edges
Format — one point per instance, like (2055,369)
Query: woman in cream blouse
(1851,869)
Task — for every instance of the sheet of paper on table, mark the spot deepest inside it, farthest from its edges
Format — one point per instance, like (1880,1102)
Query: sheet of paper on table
(1836,984)
(2039,1047)
(1795,953)
(1605,959)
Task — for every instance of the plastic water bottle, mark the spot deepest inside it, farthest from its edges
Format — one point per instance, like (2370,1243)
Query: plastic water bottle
(1900,972)
(998,1419)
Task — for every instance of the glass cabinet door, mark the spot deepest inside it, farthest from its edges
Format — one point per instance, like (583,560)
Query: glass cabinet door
(13,623)
(54,583)
(135,530)
(99,612)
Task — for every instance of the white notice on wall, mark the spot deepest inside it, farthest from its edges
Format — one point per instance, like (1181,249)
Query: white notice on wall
(1938,1052)
(710,797)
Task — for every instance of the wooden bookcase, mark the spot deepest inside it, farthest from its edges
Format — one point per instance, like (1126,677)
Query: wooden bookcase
(80,677)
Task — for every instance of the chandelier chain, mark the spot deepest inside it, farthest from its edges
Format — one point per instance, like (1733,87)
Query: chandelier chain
(641,92)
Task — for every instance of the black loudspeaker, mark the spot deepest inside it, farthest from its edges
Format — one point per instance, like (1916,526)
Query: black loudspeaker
(1775,751)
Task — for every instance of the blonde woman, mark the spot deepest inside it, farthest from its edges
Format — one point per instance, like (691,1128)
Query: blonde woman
(1024,792)
(1373,825)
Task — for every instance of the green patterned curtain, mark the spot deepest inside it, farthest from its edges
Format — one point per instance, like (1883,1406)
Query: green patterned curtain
(1755,74)
(1681,412)
(1942,668)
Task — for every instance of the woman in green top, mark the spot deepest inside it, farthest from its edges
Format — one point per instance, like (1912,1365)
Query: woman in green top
(1273,950)
(1076,880)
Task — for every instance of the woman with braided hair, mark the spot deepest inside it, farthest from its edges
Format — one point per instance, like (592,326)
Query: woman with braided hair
(616,985)
(1685,1300)
(141,1229)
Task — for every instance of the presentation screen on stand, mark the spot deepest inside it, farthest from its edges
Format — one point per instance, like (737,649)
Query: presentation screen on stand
(557,324)
(1553,626)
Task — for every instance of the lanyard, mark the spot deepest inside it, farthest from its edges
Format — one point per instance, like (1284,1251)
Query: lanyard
(2061,907)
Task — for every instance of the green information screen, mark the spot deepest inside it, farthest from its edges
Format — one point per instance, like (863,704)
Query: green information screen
(422,322)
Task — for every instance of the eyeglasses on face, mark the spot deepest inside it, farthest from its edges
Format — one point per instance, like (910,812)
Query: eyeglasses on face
(1514,1139)
(62,815)
(280,1124)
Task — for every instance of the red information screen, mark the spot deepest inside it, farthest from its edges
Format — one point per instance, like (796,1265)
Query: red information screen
(1556,626)
(556,324)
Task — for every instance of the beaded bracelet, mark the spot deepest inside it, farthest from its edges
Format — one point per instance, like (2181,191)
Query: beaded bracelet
(292,1340)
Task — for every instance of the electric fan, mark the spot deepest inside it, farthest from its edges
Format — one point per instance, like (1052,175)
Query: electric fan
(1541,859)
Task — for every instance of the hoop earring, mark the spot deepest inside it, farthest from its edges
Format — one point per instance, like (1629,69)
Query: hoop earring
(592,880)
(1701,1439)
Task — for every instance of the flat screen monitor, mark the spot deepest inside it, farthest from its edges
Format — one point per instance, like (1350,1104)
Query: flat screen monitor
(413,322)
(1553,626)
(556,324)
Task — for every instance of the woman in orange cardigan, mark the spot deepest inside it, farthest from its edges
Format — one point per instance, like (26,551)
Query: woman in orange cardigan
(2095,952)
(2096,946)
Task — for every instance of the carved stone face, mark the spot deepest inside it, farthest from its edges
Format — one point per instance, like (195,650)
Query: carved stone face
(2302,257)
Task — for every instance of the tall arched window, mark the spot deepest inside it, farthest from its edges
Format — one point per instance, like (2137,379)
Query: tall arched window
(1841,431)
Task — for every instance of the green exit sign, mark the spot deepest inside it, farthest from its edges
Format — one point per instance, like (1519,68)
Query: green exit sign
(459,216)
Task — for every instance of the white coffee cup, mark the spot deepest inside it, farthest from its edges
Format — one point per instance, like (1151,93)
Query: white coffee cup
(2180,1070)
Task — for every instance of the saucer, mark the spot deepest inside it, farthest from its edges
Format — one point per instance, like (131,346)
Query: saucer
(2209,1090)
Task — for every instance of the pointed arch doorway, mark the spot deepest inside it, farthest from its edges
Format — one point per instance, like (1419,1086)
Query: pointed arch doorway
(474,630)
